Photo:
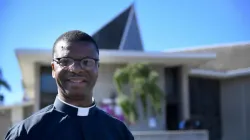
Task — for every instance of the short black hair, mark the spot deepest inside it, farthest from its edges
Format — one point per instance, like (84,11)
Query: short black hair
(75,36)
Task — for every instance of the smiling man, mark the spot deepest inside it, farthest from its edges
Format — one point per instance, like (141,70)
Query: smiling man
(74,115)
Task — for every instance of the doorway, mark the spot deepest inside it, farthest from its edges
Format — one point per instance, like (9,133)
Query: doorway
(172,90)
(172,116)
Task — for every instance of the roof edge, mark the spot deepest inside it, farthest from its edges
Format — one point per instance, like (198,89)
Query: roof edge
(196,48)
(220,75)
(23,51)
(109,21)
(127,27)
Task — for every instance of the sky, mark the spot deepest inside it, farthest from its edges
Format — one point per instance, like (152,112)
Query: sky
(164,24)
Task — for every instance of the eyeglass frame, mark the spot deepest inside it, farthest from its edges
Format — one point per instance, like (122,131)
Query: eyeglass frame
(57,60)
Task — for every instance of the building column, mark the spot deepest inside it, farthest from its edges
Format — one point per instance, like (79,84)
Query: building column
(184,92)
(37,88)
(16,114)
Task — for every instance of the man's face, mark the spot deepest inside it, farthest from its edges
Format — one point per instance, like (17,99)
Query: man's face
(75,80)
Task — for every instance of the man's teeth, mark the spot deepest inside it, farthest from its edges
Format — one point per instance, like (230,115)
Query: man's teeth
(76,81)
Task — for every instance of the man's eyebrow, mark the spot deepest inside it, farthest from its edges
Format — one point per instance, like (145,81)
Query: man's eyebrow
(77,58)
(63,47)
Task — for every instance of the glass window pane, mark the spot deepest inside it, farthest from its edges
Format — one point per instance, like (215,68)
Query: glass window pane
(48,84)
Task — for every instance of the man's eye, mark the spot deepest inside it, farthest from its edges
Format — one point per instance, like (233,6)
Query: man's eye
(65,62)
(85,62)
(88,62)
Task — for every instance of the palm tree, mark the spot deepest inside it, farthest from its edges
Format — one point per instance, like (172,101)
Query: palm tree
(3,83)
(142,83)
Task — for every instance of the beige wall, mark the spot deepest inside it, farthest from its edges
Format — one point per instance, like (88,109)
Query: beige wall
(235,107)
(171,135)
(28,111)
(5,122)
(12,115)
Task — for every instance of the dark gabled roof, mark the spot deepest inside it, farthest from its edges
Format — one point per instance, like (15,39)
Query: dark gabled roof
(109,36)
(131,39)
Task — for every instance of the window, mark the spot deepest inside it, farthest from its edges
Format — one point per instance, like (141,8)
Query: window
(48,88)
(48,84)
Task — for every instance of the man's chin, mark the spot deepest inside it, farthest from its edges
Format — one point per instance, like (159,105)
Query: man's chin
(76,94)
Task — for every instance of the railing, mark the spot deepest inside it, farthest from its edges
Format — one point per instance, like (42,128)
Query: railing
(171,135)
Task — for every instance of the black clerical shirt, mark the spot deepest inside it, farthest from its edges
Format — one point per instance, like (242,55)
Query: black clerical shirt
(62,121)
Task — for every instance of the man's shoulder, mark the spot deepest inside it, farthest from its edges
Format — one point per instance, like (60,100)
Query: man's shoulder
(117,124)
(109,118)
(22,128)
(37,116)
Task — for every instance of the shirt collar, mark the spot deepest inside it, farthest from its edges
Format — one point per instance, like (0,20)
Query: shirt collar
(70,109)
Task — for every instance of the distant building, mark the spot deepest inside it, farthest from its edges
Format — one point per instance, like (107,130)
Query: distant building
(219,90)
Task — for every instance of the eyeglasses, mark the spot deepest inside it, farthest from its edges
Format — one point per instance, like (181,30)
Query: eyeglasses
(84,63)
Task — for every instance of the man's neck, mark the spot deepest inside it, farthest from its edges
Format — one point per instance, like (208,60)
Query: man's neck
(86,102)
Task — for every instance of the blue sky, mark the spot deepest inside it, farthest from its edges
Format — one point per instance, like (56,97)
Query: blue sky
(164,24)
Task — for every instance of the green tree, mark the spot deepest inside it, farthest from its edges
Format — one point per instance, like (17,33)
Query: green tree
(142,83)
(4,84)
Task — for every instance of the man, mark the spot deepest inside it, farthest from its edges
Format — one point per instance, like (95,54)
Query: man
(74,115)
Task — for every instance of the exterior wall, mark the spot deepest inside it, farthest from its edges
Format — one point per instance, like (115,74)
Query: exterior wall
(104,85)
(235,106)
(5,122)
(28,111)
(171,135)
(37,86)
(12,115)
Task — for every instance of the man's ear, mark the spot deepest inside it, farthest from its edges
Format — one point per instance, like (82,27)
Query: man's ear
(53,69)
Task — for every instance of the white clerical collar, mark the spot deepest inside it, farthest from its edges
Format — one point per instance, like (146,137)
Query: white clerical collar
(82,111)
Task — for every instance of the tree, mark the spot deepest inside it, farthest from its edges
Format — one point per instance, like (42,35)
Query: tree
(4,84)
(142,83)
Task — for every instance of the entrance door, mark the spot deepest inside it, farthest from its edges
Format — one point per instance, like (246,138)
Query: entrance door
(172,116)
(172,91)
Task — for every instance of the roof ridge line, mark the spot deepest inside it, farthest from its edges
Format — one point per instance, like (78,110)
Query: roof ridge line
(127,27)
(112,19)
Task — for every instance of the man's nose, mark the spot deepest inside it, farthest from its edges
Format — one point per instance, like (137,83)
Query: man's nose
(76,67)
